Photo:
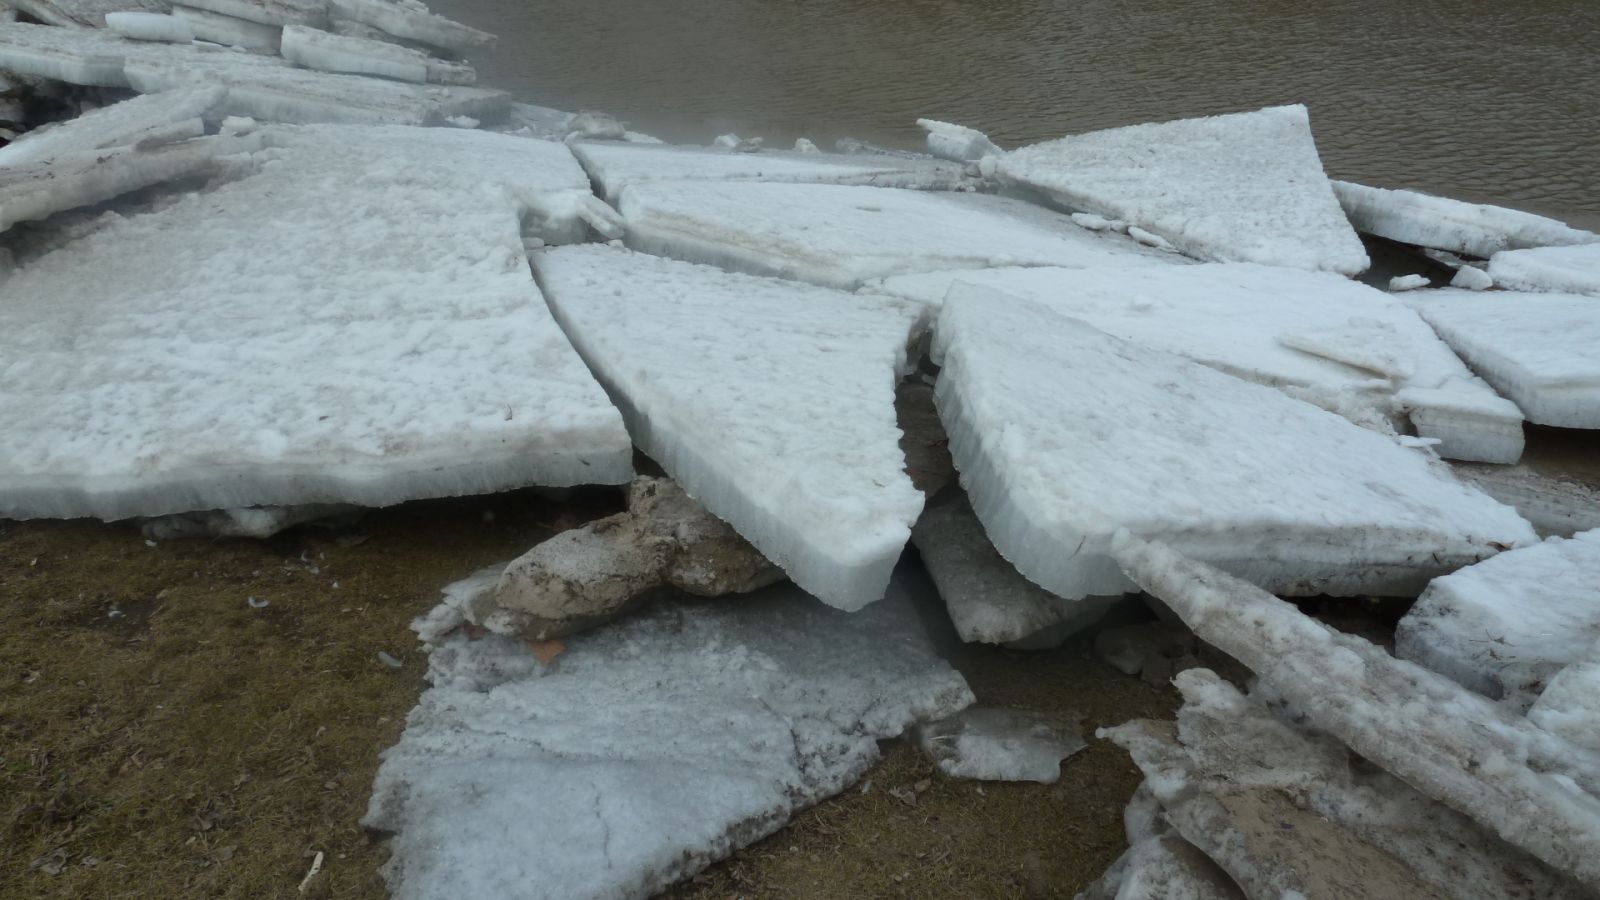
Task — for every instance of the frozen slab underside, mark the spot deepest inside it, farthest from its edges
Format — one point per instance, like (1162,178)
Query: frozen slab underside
(650,748)
(120,124)
(1573,269)
(772,403)
(841,236)
(1473,229)
(1275,490)
(1245,187)
(353,323)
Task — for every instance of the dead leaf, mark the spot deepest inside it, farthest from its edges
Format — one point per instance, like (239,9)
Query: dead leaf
(547,651)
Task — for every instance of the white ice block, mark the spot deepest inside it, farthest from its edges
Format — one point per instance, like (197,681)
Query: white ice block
(143,26)
(1245,187)
(1475,229)
(841,236)
(268,12)
(770,402)
(412,21)
(118,125)
(650,748)
(1506,626)
(231,31)
(316,49)
(1325,339)
(1574,269)
(957,143)
(1570,704)
(1540,350)
(1064,434)
(355,323)
(615,165)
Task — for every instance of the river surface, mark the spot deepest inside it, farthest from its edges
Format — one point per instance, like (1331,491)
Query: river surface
(1487,100)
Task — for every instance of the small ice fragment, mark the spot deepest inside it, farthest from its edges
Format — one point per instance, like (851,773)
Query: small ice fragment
(593,125)
(1407,440)
(388,660)
(1472,278)
(804,145)
(1408,282)
(462,121)
(237,125)
(1099,223)
(993,744)
(257,604)
(727,141)
(1150,239)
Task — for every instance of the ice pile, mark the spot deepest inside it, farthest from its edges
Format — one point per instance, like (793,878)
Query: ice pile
(649,749)
(770,402)
(355,322)
(1333,342)
(1573,269)
(1474,229)
(1245,187)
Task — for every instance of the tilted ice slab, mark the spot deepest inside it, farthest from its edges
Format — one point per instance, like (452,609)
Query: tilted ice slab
(651,748)
(1475,229)
(1538,349)
(353,323)
(1507,625)
(841,236)
(615,165)
(411,21)
(146,26)
(231,31)
(317,49)
(1570,705)
(82,13)
(1245,187)
(1535,790)
(1573,269)
(772,403)
(158,116)
(268,12)
(1063,434)
(75,55)
(1322,338)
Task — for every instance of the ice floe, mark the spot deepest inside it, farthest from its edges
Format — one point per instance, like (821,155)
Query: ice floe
(173,114)
(296,346)
(1475,229)
(770,402)
(317,49)
(1268,487)
(1244,187)
(649,749)
(1574,269)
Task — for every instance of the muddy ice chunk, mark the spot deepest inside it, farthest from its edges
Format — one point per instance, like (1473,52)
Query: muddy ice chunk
(1574,269)
(1475,229)
(413,22)
(1245,187)
(1163,868)
(1570,704)
(150,117)
(317,49)
(650,748)
(143,26)
(231,31)
(1402,283)
(1507,625)
(998,744)
(957,143)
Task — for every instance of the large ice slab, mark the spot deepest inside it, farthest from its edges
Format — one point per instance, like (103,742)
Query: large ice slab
(120,124)
(1475,229)
(1165,867)
(1245,187)
(651,748)
(231,31)
(1342,345)
(355,322)
(1574,269)
(772,403)
(411,21)
(75,55)
(841,236)
(317,49)
(1537,349)
(1063,434)
(1507,625)
(268,12)
(614,165)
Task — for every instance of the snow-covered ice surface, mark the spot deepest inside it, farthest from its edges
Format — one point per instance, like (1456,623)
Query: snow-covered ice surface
(1475,229)
(353,323)
(1570,705)
(650,748)
(998,744)
(615,165)
(1505,626)
(317,49)
(1339,344)
(143,26)
(88,56)
(1163,868)
(155,116)
(1535,790)
(1244,187)
(1537,349)
(770,402)
(411,21)
(841,236)
(1064,434)
(1574,269)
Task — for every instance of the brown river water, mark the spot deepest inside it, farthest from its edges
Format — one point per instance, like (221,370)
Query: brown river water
(1487,100)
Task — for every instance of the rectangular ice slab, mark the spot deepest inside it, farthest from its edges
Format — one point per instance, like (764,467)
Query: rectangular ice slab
(772,403)
(1245,187)
(841,236)
(1507,625)
(147,26)
(316,49)
(651,748)
(1325,339)
(231,31)
(412,21)
(1573,269)
(117,125)
(614,165)
(1541,350)
(355,322)
(1064,434)
(1475,229)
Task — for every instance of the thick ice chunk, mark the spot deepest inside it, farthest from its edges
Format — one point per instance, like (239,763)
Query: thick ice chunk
(997,744)
(1570,705)
(1573,269)
(88,13)
(957,143)
(1475,229)
(143,26)
(118,125)
(231,31)
(650,748)
(841,236)
(1537,349)
(1245,187)
(1325,339)
(353,323)
(772,403)
(1063,434)
(1507,625)
(316,49)
(615,165)
(413,22)
(268,12)
(74,55)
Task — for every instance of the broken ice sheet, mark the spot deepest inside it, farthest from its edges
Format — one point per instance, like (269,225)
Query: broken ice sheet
(1475,229)
(997,744)
(119,124)
(317,49)
(650,748)
(1574,269)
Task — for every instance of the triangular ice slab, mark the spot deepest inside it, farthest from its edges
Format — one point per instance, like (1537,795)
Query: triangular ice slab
(353,323)
(1574,269)
(772,403)
(1063,435)
(1245,187)
(841,236)
(153,116)
(1474,229)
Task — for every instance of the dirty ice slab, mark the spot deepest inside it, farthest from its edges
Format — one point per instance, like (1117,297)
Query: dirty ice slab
(1474,229)
(1574,269)
(355,322)
(1063,434)
(651,748)
(1245,187)
(772,403)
